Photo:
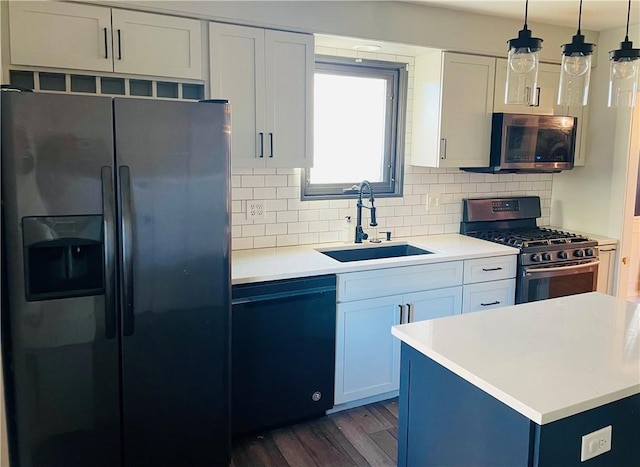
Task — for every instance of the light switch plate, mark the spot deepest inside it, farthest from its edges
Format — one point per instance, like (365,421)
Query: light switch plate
(596,443)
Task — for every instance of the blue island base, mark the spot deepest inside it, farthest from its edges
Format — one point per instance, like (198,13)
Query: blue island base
(446,421)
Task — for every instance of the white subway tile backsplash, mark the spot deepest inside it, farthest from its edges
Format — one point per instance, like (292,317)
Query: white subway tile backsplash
(436,229)
(297,227)
(288,192)
(308,238)
(249,181)
(329,237)
(318,226)
(309,215)
(293,180)
(276,180)
(264,193)
(241,193)
(269,218)
(290,221)
(242,243)
(264,171)
(287,216)
(273,205)
(253,230)
(276,229)
(264,242)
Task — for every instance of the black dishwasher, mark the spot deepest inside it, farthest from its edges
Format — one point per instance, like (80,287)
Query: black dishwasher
(282,351)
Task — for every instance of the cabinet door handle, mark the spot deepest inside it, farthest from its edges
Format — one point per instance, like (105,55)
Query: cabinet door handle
(410,317)
(270,144)
(538,91)
(106,45)
(492,269)
(119,45)
(443,148)
(401,313)
(261,145)
(490,303)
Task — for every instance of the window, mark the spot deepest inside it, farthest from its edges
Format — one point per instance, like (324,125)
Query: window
(359,122)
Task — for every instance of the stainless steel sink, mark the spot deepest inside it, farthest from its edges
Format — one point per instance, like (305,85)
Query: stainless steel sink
(359,254)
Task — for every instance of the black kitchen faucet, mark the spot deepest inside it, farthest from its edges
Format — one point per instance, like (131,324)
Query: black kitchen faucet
(360,234)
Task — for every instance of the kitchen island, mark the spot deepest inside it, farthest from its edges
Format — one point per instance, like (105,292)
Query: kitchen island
(522,385)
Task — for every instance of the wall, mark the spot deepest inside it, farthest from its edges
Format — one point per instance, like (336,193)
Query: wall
(633,287)
(290,221)
(591,198)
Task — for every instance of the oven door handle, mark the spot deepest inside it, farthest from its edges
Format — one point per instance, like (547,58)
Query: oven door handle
(562,268)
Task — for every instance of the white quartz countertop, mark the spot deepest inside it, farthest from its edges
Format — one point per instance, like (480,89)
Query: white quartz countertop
(547,360)
(268,264)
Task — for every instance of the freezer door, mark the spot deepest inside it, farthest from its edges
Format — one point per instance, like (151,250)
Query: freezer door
(173,167)
(59,344)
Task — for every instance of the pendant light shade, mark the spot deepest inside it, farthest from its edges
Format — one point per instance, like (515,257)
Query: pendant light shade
(623,73)
(575,71)
(522,66)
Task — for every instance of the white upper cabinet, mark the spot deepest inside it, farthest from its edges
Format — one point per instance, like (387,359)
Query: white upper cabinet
(548,82)
(267,76)
(453,102)
(93,38)
(156,45)
(61,35)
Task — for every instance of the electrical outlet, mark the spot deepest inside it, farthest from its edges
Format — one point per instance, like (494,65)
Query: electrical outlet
(256,209)
(596,443)
(433,204)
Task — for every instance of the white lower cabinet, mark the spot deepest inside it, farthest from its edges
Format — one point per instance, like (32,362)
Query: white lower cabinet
(371,302)
(433,304)
(607,256)
(367,355)
(487,295)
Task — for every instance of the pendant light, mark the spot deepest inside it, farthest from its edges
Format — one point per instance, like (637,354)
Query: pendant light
(575,71)
(623,73)
(522,66)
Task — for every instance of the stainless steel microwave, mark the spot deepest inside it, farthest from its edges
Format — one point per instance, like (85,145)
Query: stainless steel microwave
(531,143)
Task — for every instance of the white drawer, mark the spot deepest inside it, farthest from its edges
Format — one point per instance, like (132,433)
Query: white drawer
(487,295)
(490,269)
(400,280)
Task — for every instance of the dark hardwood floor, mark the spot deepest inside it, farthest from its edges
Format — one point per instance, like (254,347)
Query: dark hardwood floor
(364,436)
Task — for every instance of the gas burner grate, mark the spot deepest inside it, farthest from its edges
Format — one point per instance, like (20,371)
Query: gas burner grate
(523,238)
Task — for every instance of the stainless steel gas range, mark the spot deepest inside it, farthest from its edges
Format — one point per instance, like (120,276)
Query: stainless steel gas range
(551,263)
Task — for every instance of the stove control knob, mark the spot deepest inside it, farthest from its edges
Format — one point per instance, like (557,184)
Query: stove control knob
(562,254)
(535,258)
(546,256)
(578,253)
(588,252)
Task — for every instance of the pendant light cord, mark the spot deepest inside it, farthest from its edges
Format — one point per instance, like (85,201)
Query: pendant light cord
(526,13)
(626,36)
(580,18)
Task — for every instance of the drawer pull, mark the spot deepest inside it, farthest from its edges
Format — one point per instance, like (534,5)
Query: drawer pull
(491,269)
(490,303)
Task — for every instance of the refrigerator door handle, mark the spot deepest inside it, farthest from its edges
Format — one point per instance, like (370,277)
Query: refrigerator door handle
(108,222)
(126,258)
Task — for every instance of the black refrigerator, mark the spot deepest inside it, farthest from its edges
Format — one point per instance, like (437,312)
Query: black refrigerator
(116,281)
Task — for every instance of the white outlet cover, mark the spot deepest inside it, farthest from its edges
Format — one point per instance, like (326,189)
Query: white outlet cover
(256,209)
(596,443)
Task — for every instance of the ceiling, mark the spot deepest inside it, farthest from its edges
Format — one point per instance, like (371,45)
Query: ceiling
(597,15)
